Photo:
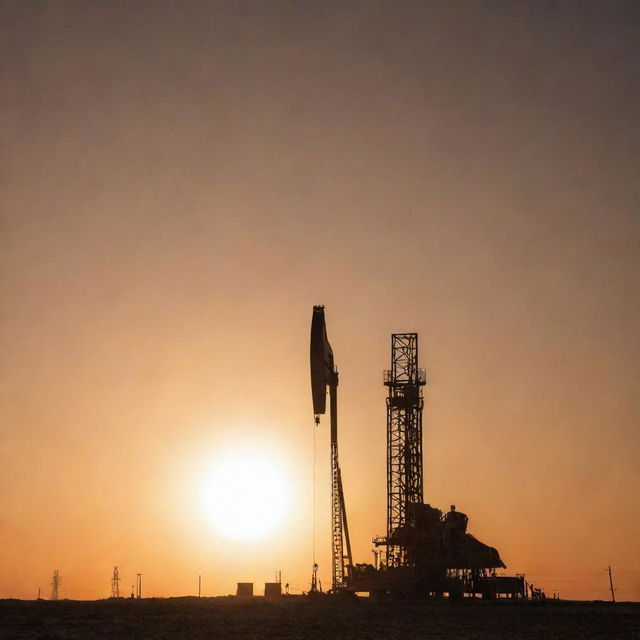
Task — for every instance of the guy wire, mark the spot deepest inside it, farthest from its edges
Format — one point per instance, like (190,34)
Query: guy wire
(315,426)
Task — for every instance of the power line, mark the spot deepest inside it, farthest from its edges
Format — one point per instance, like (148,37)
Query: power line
(627,570)
(563,573)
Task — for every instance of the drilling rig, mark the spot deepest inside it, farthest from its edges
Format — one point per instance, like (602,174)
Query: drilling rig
(404,441)
(325,374)
(424,552)
(428,553)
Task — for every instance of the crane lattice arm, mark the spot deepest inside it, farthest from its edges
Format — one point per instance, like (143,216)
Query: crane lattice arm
(325,374)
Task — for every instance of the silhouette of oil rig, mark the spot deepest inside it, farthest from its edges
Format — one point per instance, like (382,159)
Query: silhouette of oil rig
(424,552)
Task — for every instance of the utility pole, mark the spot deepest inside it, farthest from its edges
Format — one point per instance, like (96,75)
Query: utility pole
(613,596)
(199,586)
(139,585)
(38,593)
(115,584)
(55,585)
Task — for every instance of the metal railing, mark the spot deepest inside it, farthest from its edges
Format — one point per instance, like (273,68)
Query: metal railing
(387,377)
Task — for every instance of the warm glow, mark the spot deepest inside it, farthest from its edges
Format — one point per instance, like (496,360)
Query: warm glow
(245,497)
(184,181)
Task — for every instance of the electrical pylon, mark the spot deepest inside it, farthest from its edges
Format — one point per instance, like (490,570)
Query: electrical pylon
(55,585)
(115,584)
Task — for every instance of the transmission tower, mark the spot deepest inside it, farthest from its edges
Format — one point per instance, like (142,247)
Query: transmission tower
(404,440)
(55,585)
(115,584)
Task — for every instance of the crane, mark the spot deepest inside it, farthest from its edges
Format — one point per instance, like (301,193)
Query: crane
(325,374)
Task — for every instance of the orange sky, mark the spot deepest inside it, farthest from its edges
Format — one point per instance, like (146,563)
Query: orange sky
(181,182)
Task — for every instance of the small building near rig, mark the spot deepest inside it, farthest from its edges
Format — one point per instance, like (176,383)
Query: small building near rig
(272,590)
(245,590)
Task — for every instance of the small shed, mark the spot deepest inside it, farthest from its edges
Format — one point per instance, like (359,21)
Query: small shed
(272,589)
(245,589)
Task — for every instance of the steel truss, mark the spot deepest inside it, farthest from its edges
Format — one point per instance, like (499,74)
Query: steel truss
(404,440)
(325,374)
(339,527)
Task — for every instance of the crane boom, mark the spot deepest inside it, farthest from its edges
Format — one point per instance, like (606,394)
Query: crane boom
(325,374)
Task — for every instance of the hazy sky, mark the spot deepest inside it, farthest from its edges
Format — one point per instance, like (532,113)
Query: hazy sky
(183,181)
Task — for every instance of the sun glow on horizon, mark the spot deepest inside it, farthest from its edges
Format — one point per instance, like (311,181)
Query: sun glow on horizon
(245,496)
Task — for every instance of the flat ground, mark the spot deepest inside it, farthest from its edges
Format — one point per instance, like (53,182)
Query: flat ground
(296,618)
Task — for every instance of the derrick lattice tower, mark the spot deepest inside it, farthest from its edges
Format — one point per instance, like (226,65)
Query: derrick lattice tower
(404,440)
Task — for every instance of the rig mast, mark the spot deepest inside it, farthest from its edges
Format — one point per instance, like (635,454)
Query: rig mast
(404,440)
(324,373)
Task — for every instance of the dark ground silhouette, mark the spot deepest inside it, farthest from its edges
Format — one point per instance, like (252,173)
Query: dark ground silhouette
(295,618)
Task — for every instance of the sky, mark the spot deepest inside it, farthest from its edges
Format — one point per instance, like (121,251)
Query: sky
(183,181)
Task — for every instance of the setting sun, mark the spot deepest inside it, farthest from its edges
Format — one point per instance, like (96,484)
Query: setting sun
(245,496)
(283,282)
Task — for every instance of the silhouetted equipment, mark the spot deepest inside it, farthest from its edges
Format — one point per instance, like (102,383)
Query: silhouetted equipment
(115,583)
(245,589)
(199,586)
(536,593)
(314,578)
(325,374)
(427,553)
(138,585)
(55,585)
(404,442)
